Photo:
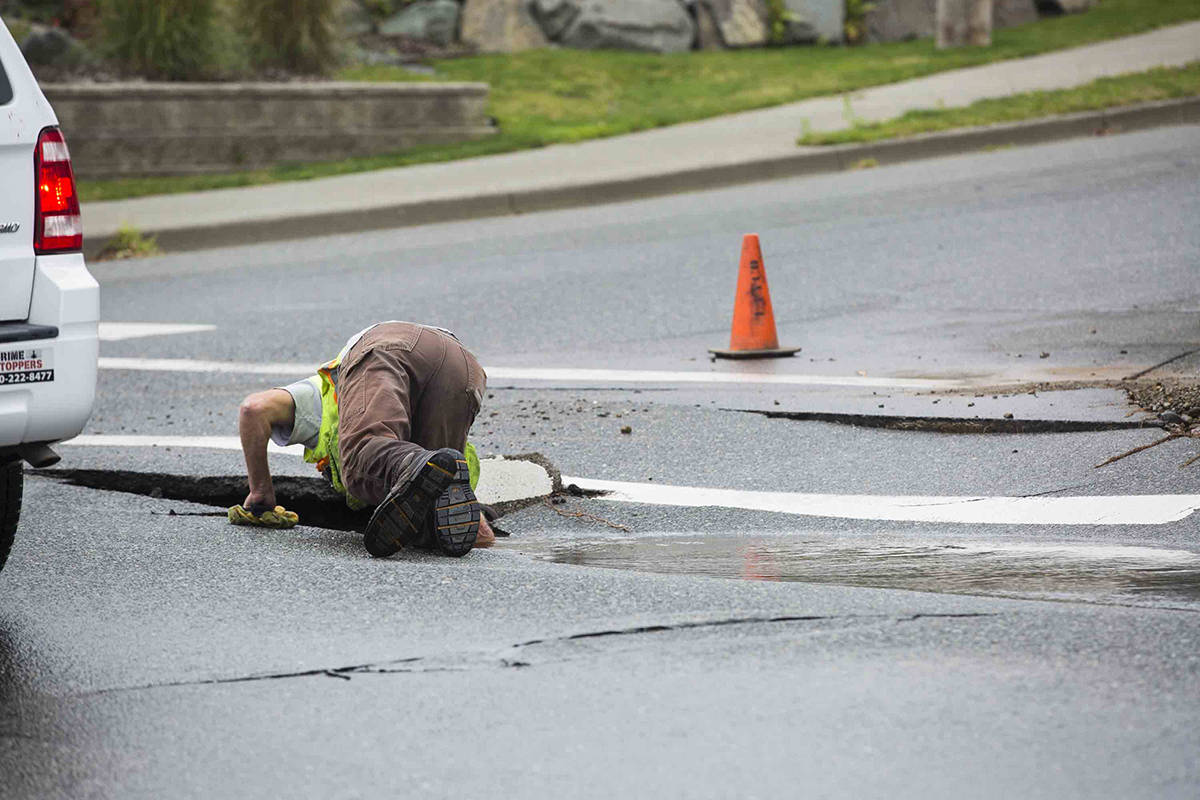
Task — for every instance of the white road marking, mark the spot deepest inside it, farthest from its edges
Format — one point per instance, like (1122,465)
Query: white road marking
(197,442)
(213,367)
(1092,510)
(1089,510)
(614,377)
(119,331)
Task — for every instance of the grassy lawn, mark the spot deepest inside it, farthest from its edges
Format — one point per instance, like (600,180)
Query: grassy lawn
(1124,90)
(546,97)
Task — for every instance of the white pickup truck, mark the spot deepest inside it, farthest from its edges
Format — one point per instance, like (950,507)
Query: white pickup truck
(49,302)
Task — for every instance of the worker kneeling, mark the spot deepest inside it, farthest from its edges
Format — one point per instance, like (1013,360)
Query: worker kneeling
(386,422)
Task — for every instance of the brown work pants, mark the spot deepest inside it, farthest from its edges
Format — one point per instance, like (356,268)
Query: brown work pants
(402,389)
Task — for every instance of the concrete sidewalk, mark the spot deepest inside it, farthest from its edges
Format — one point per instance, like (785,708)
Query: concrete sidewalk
(747,146)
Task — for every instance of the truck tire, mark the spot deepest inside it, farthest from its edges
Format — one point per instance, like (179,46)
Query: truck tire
(11,480)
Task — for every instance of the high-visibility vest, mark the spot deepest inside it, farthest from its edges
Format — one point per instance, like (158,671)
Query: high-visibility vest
(327,456)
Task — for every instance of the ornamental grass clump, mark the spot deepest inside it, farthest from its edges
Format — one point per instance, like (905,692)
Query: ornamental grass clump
(291,35)
(164,39)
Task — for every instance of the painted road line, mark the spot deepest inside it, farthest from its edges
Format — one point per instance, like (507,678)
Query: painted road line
(196,442)
(611,377)
(1092,510)
(120,331)
(1088,510)
(210,367)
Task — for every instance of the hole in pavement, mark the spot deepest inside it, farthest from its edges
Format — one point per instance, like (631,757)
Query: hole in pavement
(312,498)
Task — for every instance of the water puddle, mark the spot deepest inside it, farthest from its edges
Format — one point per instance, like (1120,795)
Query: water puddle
(1068,571)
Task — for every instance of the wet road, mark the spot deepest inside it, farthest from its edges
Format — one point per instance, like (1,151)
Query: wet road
(730,651)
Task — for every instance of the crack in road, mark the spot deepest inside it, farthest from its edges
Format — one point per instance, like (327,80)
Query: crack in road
(318,505)
(1161,364)
(954,425)
(471,661)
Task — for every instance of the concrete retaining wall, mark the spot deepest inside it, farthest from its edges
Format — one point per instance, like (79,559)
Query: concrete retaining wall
(176,128)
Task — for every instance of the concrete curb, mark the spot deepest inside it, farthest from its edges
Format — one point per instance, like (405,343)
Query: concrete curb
(807,162)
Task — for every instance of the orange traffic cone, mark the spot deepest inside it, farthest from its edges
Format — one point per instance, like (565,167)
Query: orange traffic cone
(753,333)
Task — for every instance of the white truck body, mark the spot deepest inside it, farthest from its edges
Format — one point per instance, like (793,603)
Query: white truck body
(49,304)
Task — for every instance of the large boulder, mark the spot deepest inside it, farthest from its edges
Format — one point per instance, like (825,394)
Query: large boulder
(708,36)
(1055,7)
(656,26)
(554,16)
(900,20)
(809,21)
(1010,13)
(433,21)
(500,26)
(740,23)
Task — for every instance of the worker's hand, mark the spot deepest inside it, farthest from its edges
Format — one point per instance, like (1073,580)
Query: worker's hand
(256,502)
(485,537)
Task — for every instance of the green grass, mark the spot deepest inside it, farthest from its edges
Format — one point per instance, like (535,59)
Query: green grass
(546,97)
(1124,90)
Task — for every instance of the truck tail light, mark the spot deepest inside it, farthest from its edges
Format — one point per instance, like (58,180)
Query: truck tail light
(57,226)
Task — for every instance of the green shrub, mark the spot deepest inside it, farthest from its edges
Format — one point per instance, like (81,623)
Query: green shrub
(856,20)
(129,242)
(778,18)
(171,39)
(293,35)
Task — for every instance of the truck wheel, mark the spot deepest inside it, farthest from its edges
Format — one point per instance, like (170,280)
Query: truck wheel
(11,480)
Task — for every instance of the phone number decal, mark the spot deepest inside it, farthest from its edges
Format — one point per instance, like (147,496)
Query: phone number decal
(36,376)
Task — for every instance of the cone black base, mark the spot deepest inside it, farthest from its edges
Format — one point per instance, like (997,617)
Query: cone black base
(775,352)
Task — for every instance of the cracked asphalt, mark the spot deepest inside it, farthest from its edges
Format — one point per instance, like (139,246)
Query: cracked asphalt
(149,649)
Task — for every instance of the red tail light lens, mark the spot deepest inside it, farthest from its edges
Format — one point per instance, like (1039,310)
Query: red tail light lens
(57,227)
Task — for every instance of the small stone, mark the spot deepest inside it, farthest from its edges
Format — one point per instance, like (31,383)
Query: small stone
(1008,415)
(626,429)
(1044,355)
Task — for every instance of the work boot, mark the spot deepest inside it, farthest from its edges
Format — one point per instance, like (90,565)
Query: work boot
(409,509)
(454,524)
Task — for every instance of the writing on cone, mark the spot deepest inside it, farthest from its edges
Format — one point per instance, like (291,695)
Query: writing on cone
(753,332)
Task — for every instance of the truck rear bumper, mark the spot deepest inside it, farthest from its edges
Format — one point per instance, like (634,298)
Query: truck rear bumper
(48,385)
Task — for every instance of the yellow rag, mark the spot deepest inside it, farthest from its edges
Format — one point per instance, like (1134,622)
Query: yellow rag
(278,517)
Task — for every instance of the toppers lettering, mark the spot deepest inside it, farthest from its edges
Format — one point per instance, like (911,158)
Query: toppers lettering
(20,360)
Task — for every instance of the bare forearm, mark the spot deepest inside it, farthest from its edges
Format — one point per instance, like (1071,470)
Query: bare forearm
(255,431)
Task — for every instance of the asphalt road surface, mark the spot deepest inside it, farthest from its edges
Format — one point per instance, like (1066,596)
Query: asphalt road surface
(900,642)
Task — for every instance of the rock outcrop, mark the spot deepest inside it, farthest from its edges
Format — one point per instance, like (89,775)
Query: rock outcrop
(740,23)
(900,20)
(1064,6)
(433,21)
(655,26)
(500,26)
(811,21)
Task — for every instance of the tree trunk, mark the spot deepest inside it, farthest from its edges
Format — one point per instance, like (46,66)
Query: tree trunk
(964,22)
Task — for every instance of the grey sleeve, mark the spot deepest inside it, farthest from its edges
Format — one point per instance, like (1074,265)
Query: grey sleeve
(306,395)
